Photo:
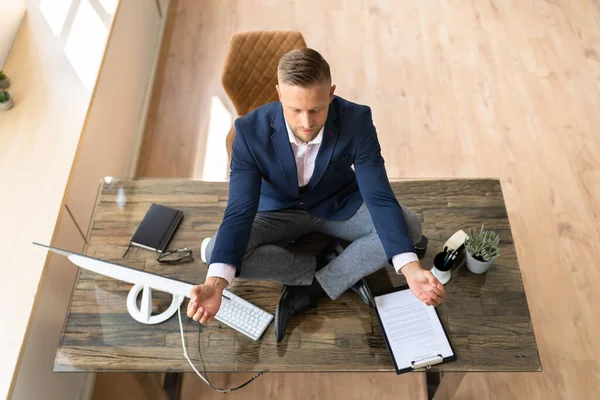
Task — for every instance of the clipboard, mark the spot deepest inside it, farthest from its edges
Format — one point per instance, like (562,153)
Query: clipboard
(416,364)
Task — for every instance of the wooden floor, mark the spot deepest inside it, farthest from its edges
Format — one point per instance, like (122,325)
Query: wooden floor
(458,89)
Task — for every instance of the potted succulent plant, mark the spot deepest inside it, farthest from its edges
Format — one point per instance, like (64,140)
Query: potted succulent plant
(6,102)
(4,81)
(482,250)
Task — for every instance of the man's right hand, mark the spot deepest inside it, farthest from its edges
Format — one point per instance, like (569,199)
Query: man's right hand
(205,300)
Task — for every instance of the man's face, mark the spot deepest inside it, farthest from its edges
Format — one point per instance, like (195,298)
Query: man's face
(305,109)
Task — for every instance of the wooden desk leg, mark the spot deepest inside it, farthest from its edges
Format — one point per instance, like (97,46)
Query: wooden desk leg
(151,386)
(443,386)
(172,384)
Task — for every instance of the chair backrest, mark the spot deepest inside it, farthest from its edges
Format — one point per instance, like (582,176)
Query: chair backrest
(250,70)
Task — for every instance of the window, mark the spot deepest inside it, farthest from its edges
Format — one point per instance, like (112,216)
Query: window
(83,27)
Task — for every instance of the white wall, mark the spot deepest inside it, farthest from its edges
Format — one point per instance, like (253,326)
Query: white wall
(51,104)
(107,147)
(11,16)
(38,142)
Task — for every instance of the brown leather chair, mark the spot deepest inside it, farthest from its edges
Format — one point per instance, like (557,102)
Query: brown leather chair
(250,71)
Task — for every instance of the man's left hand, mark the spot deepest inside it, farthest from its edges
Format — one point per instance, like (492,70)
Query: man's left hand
(424,284)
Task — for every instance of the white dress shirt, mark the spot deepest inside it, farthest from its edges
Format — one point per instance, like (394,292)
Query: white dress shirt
(305,155)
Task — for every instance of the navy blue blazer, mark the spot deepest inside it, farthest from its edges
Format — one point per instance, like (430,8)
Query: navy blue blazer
(263,177)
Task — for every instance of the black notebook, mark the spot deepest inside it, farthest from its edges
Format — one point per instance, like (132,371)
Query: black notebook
(157,228)
(413,332)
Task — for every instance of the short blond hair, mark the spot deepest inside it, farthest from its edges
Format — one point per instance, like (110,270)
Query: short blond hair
(303,67)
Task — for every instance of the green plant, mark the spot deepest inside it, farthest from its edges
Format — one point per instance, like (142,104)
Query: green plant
(4,96)
(483,244)
(2,76)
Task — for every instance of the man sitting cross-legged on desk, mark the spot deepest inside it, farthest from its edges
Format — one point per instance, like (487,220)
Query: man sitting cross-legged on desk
(291,175)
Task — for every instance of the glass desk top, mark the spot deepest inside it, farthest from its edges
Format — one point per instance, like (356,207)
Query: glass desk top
(486,316)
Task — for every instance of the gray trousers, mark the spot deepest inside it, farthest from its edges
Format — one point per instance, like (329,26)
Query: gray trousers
(267,259)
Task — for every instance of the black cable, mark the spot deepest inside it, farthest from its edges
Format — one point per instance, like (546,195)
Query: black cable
(200,330)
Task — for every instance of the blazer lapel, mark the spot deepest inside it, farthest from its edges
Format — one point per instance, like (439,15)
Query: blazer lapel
(281,142)
(330,135)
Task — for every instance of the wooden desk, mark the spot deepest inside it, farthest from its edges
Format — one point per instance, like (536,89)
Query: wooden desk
(486,316)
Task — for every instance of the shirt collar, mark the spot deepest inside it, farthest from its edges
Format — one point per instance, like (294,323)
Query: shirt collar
(293,139)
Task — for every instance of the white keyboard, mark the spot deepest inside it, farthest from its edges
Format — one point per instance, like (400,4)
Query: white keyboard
(243,316)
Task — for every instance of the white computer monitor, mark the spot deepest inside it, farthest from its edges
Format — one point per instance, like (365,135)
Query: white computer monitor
(143,282)
(125,273)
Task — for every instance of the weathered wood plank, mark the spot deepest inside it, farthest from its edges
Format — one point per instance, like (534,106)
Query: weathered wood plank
(487,316)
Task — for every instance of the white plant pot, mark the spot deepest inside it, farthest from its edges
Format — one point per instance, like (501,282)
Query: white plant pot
(442,276)
(6,105)
(476,266)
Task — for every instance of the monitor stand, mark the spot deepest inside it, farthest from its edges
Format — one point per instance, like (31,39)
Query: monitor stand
(143,314)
